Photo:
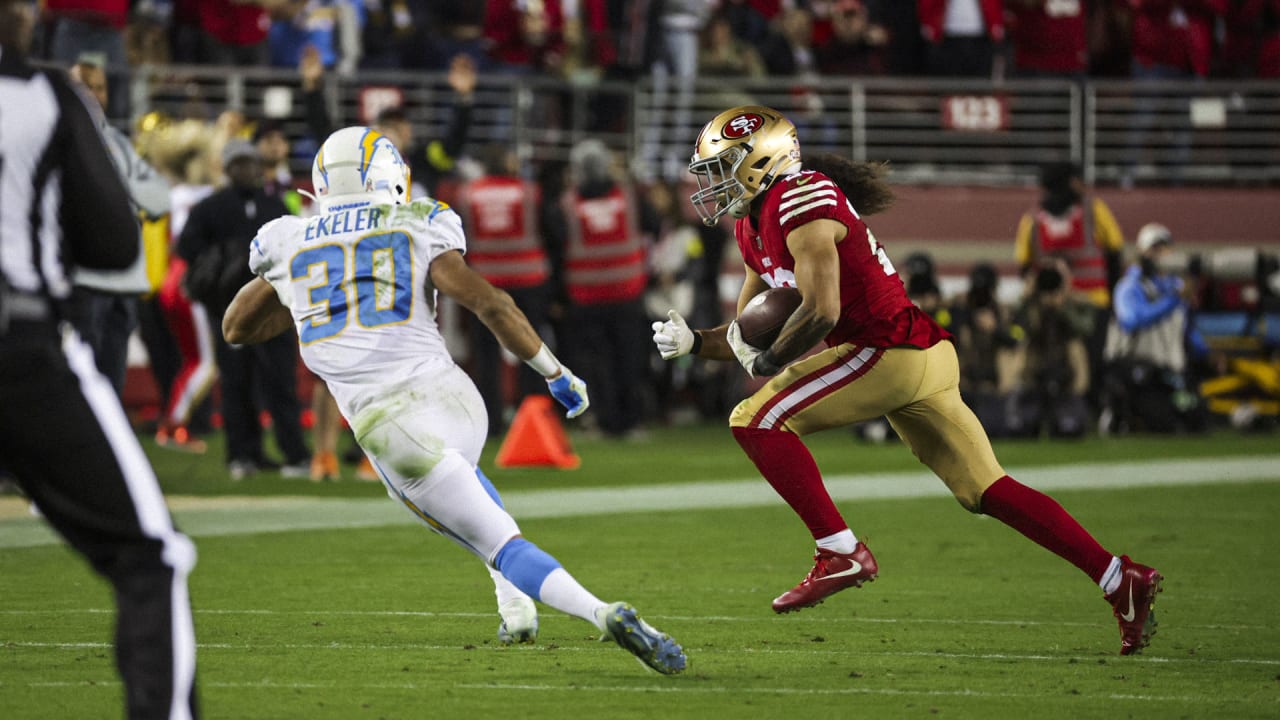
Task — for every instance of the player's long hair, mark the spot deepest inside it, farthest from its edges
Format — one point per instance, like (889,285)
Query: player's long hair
(862,182)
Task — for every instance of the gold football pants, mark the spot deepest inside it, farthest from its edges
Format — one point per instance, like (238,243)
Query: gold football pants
(917,390)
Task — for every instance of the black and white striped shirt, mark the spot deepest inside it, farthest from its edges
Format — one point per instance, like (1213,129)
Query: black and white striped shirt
(62,203)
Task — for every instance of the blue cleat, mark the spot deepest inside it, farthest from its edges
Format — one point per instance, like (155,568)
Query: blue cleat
(652,647)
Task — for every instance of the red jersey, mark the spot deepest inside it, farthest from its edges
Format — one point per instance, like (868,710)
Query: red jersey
(874,308)
(1050,37)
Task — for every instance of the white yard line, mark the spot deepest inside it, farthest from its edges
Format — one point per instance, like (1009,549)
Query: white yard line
(242,516)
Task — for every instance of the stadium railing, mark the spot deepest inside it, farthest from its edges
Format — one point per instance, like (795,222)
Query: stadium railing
(931,130)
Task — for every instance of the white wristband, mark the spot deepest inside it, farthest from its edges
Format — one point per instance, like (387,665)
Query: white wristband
(545,363)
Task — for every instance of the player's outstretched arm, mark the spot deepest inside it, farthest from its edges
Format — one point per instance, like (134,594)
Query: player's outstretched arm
(255,314)
(495,308)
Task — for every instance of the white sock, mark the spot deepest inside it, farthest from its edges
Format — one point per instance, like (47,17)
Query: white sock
(1110,581)
(502,587)
(563,593)
(842,542)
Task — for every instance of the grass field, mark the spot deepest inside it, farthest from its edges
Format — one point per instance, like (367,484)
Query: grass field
(363,614)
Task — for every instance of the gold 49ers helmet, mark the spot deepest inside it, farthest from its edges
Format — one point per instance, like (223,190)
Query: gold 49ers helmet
(737,156)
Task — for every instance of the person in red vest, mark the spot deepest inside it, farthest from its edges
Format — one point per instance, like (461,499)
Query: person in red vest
(500,213)
(1077,235)
(601,225)
(1081,231)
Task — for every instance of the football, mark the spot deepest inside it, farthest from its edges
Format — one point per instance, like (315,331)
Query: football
(765,314)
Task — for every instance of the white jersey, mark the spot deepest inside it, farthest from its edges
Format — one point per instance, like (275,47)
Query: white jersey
(356,282)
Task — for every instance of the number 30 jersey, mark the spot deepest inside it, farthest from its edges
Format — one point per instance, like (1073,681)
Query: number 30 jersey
(356,283)
(874,308)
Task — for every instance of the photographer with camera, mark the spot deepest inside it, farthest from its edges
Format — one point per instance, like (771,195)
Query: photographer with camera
(1146,354)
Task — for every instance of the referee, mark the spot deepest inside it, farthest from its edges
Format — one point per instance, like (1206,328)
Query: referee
(63,433)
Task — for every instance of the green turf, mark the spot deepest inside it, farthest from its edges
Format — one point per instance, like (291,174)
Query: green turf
(967,621)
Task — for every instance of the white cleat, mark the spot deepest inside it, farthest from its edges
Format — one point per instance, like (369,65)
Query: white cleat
(519,621)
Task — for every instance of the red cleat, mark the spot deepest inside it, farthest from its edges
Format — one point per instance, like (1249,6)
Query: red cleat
(831,573)
(1132,603)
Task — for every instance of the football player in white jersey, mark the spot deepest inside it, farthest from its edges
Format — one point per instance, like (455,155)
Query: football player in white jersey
(359,282)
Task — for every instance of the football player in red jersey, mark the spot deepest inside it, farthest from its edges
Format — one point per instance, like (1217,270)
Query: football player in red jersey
(800,224)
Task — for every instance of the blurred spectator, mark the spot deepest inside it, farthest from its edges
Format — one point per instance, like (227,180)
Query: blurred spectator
(388,35)
(1148,378)
(215,242)
(920,278)
(857,46)
(147,37)
(448,28)
(92,31)
(526,37)
(905,52)
(431,159)
(986,343)
(176,329)
(272,144)
(728,59)
(601,223)
(106,303)
(671,287)
(233,32)
(1109,36)
(1077,228)
(962,35)
(724,55)
(1077,234)
(1049,38)
(589,44)
(332,27)
(788,51)
(87,26)
(1251,39)
(674,70)
(747,21)
(504,245)
(1172,39)
(1052,370)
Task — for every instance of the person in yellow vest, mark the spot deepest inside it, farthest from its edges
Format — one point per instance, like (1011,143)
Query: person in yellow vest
(600,223)
(1076,234)
(500,211)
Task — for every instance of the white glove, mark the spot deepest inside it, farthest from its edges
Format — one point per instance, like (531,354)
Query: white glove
(570,391)
(746,354)
(673,337)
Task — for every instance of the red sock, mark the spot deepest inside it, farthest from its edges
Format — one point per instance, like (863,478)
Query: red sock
(789,467)
(1043,520)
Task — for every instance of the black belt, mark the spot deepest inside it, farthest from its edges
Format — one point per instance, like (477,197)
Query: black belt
(26,314)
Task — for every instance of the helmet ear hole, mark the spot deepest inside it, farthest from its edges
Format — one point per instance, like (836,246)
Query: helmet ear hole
(759,164)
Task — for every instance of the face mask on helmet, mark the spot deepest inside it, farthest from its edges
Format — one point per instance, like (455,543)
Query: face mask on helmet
(737,156)
(359,166)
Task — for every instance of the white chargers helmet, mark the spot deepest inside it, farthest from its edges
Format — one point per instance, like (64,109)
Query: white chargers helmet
(359,166)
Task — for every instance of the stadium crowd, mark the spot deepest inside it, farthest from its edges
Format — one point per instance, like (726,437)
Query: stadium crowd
(1060,360)
(594,38)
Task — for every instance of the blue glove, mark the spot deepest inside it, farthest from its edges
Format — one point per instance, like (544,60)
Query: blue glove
(570,391)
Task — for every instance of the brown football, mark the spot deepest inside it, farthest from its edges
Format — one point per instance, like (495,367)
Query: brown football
(765,314)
